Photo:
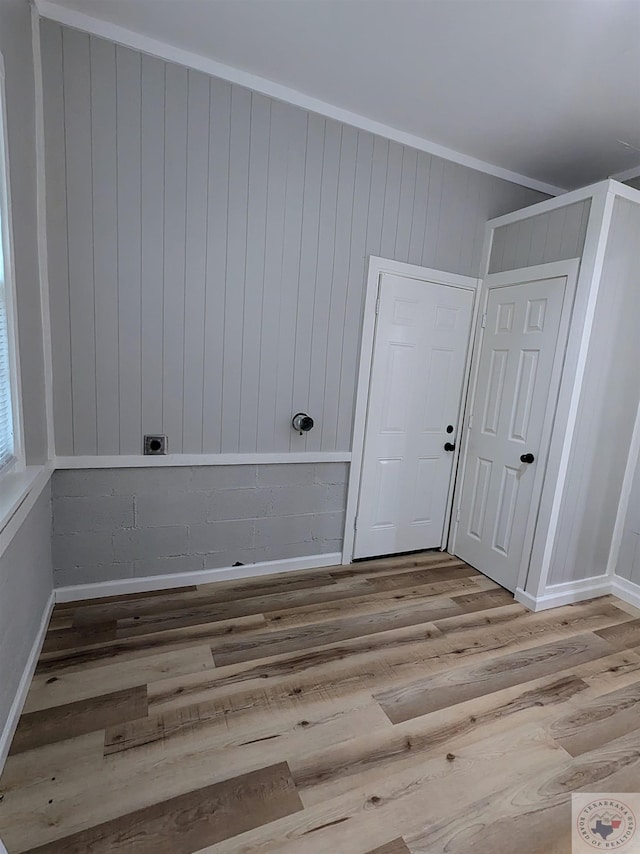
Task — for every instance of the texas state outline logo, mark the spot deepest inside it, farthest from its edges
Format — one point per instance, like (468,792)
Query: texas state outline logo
(605,822)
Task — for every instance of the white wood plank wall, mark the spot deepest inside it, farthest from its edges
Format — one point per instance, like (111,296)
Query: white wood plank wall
(208,249)
(554,236)
(600,448)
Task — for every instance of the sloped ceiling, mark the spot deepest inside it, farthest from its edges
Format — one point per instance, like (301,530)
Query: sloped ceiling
(549,89)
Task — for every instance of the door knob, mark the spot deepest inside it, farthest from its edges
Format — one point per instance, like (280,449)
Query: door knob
(527,458)
(449,446)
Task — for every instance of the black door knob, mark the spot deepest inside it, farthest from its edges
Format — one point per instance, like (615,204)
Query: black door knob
(527,458)
(449,446)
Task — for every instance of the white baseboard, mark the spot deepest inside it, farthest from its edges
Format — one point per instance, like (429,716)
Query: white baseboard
(566,593)
(25,683)
(626,590)
(149,583)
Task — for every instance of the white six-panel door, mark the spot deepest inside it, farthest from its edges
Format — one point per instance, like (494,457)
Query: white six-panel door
(420,350)
(516,384)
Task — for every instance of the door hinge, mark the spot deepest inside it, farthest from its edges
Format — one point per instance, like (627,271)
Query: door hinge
(458,515)
(378,305)
(484,321)
(355,524)
(470,421)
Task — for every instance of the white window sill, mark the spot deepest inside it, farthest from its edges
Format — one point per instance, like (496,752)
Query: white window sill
(15,488)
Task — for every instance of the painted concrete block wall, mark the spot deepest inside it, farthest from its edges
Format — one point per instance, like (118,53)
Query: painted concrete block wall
(207,252)
(125,523)
(554,236)
(26,582)
(607,409)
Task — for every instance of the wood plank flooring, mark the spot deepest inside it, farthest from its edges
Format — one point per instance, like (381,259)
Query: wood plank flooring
(393,706)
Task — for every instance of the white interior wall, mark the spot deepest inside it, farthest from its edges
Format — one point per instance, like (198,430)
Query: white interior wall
(607,410)
(25,557)
(556,235)
(208,247)
(15,45)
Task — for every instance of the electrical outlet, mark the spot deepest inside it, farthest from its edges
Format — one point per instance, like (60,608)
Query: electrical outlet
(155,445)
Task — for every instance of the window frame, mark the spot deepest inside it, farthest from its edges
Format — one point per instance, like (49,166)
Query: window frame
(18,462)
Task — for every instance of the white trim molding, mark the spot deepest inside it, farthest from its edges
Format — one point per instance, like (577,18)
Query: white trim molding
(41,226)
(376,268)
(10,292)
(627,175)
(149,583)
(590,192)
(626,590)
(141,461)
(25,683)
(20,491)
(566,593)
(171,53)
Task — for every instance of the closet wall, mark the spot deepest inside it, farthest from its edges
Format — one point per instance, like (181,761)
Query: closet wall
(576,541)
(607,409)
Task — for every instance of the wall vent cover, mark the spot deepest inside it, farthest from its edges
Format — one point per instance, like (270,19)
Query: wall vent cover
(155,445)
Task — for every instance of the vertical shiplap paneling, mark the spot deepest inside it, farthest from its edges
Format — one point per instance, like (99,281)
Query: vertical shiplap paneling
(77,121)
(451,216)
(271,294)
(511,245)
(430,244)
(251,365)
(175,205)
(486,206)
(105,259)
(406,204)
(308,263)
(237,208)
(229,289)
(350,345)
(539,232)
(324,277)
(338,292)
(375,210)
(152,242)
(216,273)
(471,221)
(554,236)
(294,200)
(523,245)
(57,241)
(129,95)
(419,217)
(391,205)
(196,260)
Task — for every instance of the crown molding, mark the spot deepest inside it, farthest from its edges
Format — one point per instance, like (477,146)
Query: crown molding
(137,41)
(634,172)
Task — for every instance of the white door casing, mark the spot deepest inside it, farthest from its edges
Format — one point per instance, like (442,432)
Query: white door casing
(417,376)
(517,370)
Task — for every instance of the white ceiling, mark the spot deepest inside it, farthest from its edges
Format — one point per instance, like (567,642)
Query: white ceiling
(545,88)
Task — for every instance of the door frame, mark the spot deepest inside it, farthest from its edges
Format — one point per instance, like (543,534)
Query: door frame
(540,496)
(375,269)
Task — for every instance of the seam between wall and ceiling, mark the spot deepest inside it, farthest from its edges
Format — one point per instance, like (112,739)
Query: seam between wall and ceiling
(170,53)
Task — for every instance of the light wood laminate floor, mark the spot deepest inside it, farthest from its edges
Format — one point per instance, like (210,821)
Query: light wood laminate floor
(399,705)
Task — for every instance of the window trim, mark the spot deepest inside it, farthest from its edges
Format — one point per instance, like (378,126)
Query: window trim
(18,463)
